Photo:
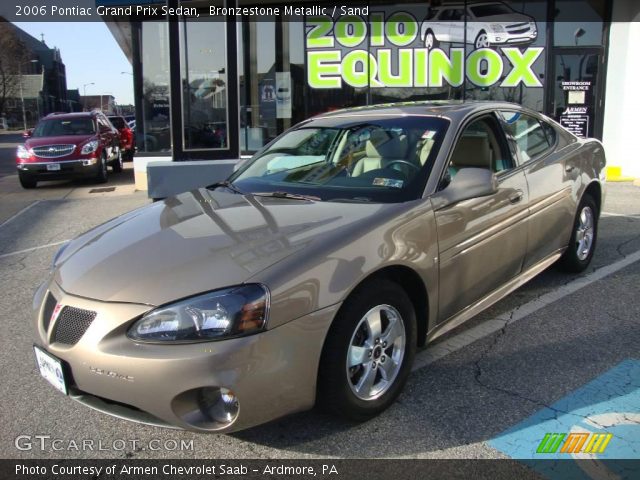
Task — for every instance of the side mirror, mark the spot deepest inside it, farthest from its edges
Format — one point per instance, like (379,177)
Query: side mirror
(27,133)
(470,183)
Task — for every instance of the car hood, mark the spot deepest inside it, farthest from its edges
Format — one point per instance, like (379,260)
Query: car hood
(195,242)
(61,140)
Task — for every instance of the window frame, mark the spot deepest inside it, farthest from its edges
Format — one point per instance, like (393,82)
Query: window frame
(513,146)
(501,137)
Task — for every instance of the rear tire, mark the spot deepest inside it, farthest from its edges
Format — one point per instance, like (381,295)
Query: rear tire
(27,182)
(364,367)
(582,244)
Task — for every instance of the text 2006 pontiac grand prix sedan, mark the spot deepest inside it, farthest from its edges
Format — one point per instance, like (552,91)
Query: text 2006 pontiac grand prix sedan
(314,272)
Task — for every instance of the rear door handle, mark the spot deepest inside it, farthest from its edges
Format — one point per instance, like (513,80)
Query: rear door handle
(516,197)
(569,168)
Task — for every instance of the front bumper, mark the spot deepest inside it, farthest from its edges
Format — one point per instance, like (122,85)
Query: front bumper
(272,373)
(68,169)
(504,38)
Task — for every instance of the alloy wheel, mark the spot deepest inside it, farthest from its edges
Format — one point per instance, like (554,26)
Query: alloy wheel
(584,233)
(375,353)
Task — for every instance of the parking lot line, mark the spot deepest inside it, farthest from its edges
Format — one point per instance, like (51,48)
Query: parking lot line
(467,337)
(16,215)
(27,250)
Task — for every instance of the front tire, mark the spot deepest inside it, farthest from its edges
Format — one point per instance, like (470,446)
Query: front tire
(27,181)
(102,175)
(482,40)
(582,244)
(368,353)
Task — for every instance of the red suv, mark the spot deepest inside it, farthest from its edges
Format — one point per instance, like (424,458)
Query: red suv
(127,142)
(69,145)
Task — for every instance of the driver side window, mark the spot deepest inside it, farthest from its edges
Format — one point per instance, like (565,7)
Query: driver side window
(481,145)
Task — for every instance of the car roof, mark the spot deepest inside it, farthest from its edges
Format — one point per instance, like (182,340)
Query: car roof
(452,109)
(67,115)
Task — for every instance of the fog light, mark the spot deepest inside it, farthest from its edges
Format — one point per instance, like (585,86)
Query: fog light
(91,161)
(219,405)
(208,408)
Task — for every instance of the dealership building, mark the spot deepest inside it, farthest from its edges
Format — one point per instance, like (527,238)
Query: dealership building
(211,89)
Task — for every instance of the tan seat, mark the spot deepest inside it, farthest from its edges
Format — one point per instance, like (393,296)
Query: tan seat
(381,148)
(472,151)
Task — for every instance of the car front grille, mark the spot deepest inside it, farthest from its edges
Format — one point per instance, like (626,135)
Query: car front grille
(53,151)
(49,304)
(71,325)
(517,28)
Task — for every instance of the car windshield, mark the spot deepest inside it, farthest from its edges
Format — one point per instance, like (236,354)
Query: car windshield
(490,10)
(56,127)
(384,160)
(117,122)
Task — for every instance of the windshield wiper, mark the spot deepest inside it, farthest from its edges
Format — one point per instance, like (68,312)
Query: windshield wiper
(226,184)
(293,196)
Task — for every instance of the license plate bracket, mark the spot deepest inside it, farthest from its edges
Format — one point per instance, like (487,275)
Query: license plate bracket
(51,369)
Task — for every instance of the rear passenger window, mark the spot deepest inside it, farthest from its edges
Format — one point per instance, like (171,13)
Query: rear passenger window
(530,137)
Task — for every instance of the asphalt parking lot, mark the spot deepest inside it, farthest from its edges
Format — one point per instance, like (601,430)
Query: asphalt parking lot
(531,354)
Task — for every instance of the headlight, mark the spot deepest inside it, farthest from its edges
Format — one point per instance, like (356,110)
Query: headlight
(497,27)
(230,312)
(89,147)
(22,153)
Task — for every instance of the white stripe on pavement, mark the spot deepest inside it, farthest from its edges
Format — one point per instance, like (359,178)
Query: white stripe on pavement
(27,250)
(13,217)
(461,340)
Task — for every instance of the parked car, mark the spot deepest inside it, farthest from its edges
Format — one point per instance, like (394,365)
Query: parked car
(127,137)
(487,24)
(69,145)
(317,269)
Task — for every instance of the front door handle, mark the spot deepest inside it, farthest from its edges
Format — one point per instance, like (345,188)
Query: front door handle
(516,197)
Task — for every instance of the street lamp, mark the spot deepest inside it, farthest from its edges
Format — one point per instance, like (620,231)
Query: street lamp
(84,94)
(24,113)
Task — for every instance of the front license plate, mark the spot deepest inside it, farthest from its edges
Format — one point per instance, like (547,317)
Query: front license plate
(51,369)
(53,166)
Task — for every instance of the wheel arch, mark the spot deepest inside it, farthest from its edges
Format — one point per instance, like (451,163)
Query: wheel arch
(413,285)
(594,189)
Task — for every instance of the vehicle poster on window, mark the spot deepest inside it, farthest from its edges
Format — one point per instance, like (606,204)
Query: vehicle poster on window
(437,46)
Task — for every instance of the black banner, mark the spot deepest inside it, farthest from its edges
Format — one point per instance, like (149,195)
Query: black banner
(374,469)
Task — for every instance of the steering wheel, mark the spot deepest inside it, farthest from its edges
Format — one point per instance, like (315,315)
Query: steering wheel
(403,162)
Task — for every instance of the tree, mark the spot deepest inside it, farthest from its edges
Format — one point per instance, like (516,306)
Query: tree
(13,54)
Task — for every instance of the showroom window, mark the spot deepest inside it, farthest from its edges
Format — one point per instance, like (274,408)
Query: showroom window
(203,69)
(155,134)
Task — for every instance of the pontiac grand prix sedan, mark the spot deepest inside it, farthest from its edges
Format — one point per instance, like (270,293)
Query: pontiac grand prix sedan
(315,271)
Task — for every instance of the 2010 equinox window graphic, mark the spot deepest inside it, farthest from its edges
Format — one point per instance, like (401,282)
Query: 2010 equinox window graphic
(388,52)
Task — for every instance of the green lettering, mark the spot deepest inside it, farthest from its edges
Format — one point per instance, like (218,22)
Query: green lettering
(377,29)
(522,67)
(442,67)
(401,29)
(318,36)
(358,68)
(405,68)
(324,69)
(350,31)
(421,59)
(492,63)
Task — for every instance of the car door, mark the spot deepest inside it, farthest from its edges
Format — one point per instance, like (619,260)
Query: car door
(551,177)
(482,241)
(106,136)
